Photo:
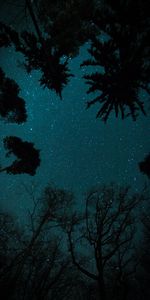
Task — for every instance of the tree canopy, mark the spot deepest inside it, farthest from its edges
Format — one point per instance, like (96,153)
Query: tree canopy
(12,107)
(27,156)
(145,166)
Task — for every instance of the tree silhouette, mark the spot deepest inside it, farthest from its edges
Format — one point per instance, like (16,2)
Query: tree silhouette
(55,74)
(27,156)
(69,23)
(122,50)
(145,166)
(143,275)
(39,55)
(125,57)
(35,263)
(118,86)
(11,241)
(12,107)
(39,266)
(108,231)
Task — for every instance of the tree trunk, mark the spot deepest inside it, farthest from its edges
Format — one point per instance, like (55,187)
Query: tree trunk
(101,288)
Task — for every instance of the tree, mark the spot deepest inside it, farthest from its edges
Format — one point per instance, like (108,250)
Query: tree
(11,241)
(39,264)
(27,156)
(108,232)
(119,85)
(12,107)
(143,274)
(39,55)
(145,166)
(122,50)
(47,271)
(35,264)
(126,58)
(69,23)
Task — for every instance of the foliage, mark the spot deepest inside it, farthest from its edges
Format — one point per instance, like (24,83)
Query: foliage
(69,23)
(145,166)
(124,56)
(12,107)
(39,55)
(119,85)
(27,156)
(122,49)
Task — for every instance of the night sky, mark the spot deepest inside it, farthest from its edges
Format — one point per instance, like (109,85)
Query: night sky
(77,150)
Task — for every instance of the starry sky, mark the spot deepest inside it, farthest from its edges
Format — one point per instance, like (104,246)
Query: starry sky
(77,150)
